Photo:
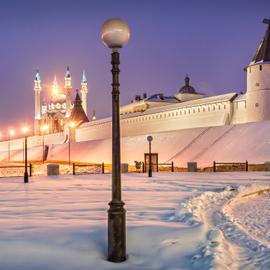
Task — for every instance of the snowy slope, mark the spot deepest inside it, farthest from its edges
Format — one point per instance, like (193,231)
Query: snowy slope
(226,143)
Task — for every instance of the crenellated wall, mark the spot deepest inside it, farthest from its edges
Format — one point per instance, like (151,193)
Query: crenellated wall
(212,111)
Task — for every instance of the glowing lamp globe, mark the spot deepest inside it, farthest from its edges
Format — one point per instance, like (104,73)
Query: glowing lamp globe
(25,130)
(115,33)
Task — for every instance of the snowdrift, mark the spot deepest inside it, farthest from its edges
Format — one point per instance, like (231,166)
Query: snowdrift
(231,143)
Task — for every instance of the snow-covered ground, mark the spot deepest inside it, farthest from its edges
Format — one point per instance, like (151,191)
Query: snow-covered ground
(175,221)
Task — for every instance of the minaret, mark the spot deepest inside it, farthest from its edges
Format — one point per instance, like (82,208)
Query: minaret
(37,90)
(258,82)
(94,118)
(84,92)
(68,89)
(55,88)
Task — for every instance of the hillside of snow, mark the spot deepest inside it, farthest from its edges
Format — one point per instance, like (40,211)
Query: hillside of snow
(225,143)
(231,143)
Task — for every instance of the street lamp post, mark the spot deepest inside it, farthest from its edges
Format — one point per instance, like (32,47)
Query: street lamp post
(10,134)
(71,125)
(26,178)
(115,34)
(150,139)
(43,130)
(69,146)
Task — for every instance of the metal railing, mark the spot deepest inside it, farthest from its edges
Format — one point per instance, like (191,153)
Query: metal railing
(159,167)
(230,166)
(15,170)
(88,168)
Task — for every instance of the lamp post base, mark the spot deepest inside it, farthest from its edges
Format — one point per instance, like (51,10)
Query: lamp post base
(26,178)
(116,232)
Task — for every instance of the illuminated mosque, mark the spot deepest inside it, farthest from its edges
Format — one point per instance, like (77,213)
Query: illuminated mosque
(57,113)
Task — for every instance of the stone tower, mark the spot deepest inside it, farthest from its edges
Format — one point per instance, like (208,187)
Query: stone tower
(84,92)
(37,90)
(258,81)
(68,89)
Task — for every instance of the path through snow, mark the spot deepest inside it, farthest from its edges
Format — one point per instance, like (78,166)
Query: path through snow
(175,221)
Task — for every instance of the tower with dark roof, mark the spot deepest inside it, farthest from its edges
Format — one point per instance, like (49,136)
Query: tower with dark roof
(258,81)
(188,92)
(187,88)
(78,114)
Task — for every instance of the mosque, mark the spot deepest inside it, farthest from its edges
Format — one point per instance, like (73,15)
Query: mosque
(60,110)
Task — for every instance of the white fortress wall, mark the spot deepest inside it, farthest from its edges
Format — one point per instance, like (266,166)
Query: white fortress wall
(99,129)
(205,112)
(231,143)
(33,141)
(239,110)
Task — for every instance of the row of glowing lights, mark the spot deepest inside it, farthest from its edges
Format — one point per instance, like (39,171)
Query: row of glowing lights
(43,129)
(12,132)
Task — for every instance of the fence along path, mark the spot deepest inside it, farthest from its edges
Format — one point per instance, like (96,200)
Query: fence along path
(88,168)
(15,170)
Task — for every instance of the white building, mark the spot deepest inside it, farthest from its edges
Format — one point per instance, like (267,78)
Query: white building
(189,109)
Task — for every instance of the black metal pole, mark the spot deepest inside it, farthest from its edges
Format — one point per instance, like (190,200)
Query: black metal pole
(43,148)
(73,171)
(116,212)
(23,150)
(69,148)
(26,180)
(9,149)
(103,168)
(150,161)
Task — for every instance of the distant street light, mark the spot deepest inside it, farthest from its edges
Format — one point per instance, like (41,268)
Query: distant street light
(71,125)
(150,139)
(115,34)
(25,131)
(11,133)
(44,128)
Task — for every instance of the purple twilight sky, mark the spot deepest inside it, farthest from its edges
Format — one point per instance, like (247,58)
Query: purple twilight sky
(212,41)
